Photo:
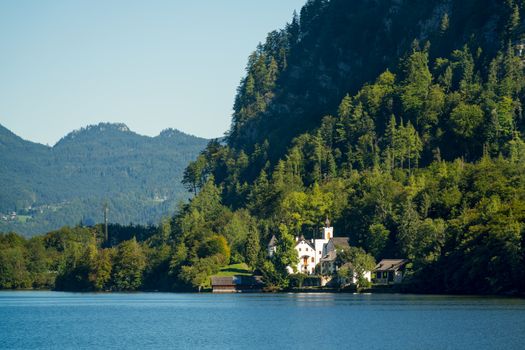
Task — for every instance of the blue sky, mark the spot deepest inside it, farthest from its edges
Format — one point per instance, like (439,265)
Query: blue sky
(152,65)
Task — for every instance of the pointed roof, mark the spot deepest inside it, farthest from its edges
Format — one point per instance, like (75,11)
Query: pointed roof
(341,241)
(302,239)
(273,241)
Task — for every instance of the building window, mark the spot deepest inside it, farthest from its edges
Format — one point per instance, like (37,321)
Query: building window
(320,252)
(313,259)
(299,249)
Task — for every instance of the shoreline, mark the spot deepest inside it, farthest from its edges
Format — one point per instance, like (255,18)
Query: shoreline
(292,291)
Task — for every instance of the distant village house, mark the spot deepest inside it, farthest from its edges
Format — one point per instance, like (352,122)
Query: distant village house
(390,271)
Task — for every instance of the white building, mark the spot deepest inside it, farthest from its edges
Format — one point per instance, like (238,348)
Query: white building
(272,246)
(316,256)
(390,271)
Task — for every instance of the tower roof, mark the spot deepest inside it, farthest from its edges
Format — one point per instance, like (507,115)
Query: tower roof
(273,241)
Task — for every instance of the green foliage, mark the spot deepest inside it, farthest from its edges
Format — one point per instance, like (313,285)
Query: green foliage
(252,248)
(128,266)
(235,270)
(13,269)
(218,246)
(466,119)
(285,254)
(377,239)
(297,279)
(273,279)
(197,275)
(354,262)
(275,271)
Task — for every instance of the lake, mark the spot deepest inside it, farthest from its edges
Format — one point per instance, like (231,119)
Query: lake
(54,320)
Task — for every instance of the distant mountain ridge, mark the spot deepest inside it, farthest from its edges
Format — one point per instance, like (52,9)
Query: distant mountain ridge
(47,187)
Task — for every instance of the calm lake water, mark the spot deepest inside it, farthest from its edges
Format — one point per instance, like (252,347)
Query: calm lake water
(53,320)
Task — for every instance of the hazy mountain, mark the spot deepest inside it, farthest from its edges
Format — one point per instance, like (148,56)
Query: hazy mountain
(139,177)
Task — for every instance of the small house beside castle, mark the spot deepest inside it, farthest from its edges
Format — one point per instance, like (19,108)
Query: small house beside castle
(390,271)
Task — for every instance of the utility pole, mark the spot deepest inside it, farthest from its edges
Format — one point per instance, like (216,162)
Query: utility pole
(106,209)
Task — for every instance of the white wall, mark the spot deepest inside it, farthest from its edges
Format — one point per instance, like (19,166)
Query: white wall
(303,249)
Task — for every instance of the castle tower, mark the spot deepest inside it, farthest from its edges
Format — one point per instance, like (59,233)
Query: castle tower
(328,231)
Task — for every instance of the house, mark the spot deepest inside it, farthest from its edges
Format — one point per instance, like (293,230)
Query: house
(308,257)
(272,246)
(328,261)
(390,271)
(221,284)
(310,252)
(316,255)
(236,284)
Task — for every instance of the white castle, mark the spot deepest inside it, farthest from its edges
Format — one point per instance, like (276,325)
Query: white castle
(315,255)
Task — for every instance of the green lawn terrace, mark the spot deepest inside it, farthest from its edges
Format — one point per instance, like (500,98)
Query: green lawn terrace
(240,269)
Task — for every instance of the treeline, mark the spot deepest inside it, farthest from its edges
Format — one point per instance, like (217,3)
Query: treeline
(76,258)
(460,224)
(180,254)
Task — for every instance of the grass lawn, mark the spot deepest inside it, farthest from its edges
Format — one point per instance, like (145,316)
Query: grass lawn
(235,269)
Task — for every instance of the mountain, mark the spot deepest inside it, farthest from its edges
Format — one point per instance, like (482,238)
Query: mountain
(401,121)
(48,187)
(301,73)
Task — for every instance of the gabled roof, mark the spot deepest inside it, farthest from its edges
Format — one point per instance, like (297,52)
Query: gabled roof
(337,241)
(273,241)
(341,241)
(222,281)
(237,280)
(302,239)
(391,264)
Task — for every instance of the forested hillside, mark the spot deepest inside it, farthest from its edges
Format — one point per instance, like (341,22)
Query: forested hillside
(401,121)
(48,187)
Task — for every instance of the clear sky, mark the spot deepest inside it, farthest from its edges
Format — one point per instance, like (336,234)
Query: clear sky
(152,65)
